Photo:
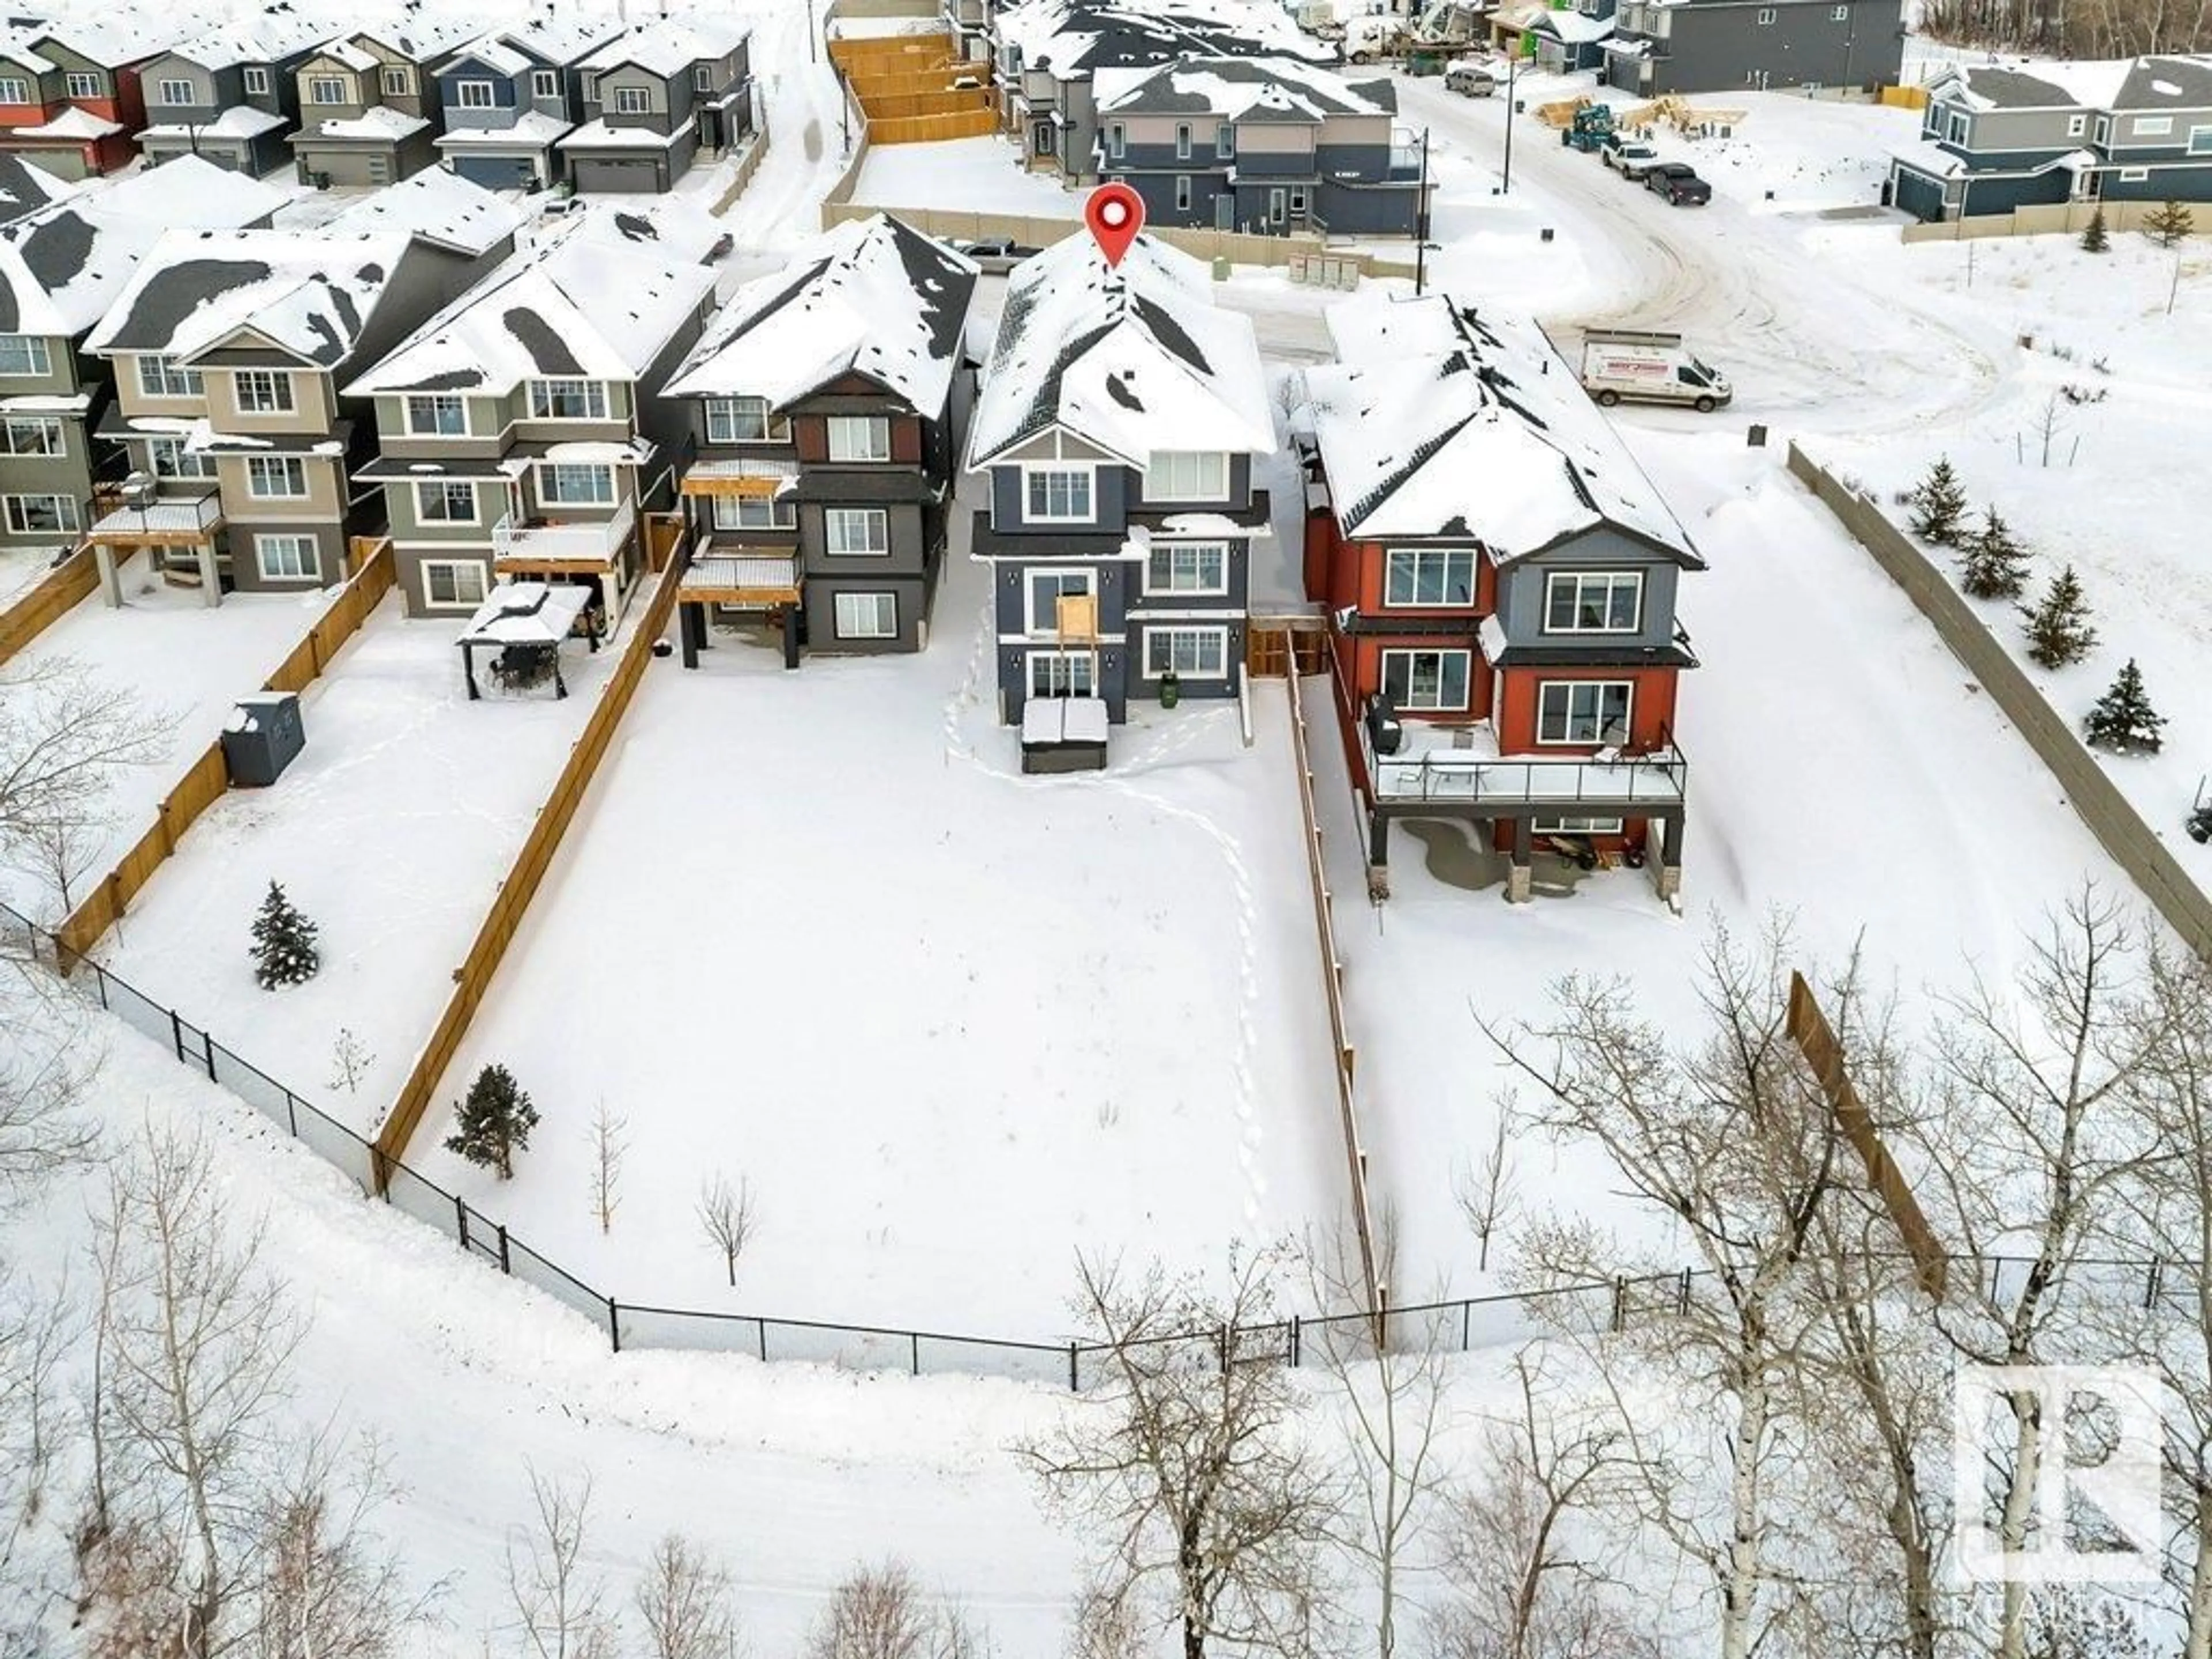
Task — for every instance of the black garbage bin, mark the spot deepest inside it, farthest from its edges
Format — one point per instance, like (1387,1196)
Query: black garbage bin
(262,736)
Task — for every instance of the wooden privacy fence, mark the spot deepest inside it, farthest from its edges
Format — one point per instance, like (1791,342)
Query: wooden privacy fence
(472,979)
(756,153)
(2049,219)
(2111,818)
(38,606)
(1237,247)
(933,129)
(208,778)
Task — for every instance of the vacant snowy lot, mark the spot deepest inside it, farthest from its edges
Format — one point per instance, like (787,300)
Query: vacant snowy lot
(1844,776)
(965,175)
(392,831)
(183,664)
(812,930)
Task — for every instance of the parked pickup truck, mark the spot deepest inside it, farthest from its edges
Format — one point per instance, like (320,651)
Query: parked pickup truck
(1678,183)
(1632,158)
(1647,367)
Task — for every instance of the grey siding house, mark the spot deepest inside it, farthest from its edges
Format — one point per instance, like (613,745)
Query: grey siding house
(521,429)
(509,98)
(369,104)
(821,480)
(657,98)
(1994,139)
(1117,423)
(1047,52)
(60,267)
(229,353)
(230,97)
(1270,146)
(1659,46)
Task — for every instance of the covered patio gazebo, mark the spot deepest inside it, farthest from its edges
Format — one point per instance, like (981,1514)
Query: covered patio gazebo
(524,624)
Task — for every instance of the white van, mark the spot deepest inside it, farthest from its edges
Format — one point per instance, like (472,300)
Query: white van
(1470,81)
(1649,368)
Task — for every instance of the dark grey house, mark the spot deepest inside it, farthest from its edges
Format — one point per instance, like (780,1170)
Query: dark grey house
(1660,46)
(521,430)
(1117,423)
(657,97)
(1994,139)
(368,107)
(1267,145)
(230,96)
(510,97)
(823,404)
(60,268)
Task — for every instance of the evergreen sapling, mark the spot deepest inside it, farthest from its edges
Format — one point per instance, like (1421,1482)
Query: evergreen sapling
(494,1122)
(1939,502)
(1994,565)
(2168,223)
(2123,720)
(283,942)
(2096,240)
(2059,631)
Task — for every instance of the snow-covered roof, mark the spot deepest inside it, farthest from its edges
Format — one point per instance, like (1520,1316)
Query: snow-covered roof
(239,121)
(310,293)
(563,37)
(421,34)
(526,613)
(574,309)
(1241,89)
(872,297)
(25,187)
(262,40)
(1442,423)
(1078,37)
(670,45)
(1575,27)
(114,35)
(597,135)
(71,123)
(492,53)
(530,129)
(353,57)
(1133,358)
(377,122)
(62,266)
(1925,155)
(2131,83)
(437,207)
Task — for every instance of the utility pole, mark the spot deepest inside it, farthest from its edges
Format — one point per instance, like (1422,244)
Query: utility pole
(1512,68)
(1421,221)
(813,51)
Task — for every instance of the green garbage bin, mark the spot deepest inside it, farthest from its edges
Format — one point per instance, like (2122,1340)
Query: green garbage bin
(1171,690)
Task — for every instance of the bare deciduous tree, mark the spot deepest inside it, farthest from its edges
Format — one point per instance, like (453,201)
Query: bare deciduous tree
(327,1586)
(42,1082)
(1516,1585)
(1104,1626)
(350,1059)
(1488,1193)
(683,1601)
(610,1142)
(64,736)
(559,1609)
(1733,1141)
(1185,1457)
(879,1612)
(725,1212)
(61,849)
(36,1331)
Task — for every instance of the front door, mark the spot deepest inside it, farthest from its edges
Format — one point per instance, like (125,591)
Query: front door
(1278,208)
(1224,211)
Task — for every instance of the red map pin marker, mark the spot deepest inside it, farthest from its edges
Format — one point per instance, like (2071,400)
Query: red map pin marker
(1116,214)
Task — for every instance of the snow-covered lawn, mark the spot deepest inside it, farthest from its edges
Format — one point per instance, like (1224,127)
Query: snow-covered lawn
(1842,773)
(964,175)
(392,830)
(181,663)
(2120,496)
(813,930)
(19,567)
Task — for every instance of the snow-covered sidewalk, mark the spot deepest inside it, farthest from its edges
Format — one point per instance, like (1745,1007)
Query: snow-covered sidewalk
(391,831)
(813,931)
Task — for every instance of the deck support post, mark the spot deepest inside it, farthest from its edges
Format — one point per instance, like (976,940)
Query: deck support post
(210,584)
(1519,875)
(1667,870)
(791,637)
(690,625)
(111,585)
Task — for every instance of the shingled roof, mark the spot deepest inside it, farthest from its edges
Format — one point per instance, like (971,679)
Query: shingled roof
(1241,89)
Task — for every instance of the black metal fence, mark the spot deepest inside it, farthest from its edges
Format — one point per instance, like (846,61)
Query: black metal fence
(1461,1325)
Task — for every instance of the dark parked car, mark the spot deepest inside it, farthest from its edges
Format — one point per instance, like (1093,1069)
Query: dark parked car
(1679,183)
(996,255)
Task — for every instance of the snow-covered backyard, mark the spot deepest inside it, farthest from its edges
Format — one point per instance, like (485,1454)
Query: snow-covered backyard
(392,831)
(180,662)
(19,567)
(812,930)
(963,175)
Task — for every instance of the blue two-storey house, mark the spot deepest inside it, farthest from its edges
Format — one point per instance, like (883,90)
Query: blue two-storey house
(509,98)
(1116,424)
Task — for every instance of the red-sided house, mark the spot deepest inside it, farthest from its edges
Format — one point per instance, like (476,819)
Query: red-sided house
(69,99)
(1500,581)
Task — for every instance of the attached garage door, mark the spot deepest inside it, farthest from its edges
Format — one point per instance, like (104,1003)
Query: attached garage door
(634,176)
(496,172)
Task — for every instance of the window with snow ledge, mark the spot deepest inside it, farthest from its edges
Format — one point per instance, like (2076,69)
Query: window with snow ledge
(575,483)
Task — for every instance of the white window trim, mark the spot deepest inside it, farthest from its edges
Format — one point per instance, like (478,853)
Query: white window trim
(407,401)
(1157,636)
(256,82)
(83,84)
(1031,623)
(1171,456)
(175,444)
(874,515)
(2134,175)
(168,368)
(14,90)
(344,83)
(69,520)
(2075,125)
(549,469)
(776,428)
(2199,141)
(42,356)
(1182,193)
(1117,140)
(1543,687)
(2154,126)
(837,617)
(1032,660)
(1090,515)
(633,100)
(530,399)
(539,86)
(280,386)
(292,540)
(177,91)
(463,89)
(1418,554)
(475,566)
(871,424)
(1611,579)
(306,489)
(2104,132)
(1569,825)
(1170,591)
(782,515)
(702,77)
(1765,17)
(476,504)
(397,80)
(1468,679)
(48,424)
